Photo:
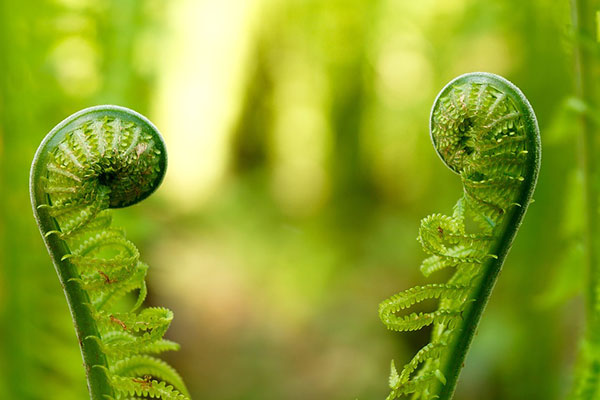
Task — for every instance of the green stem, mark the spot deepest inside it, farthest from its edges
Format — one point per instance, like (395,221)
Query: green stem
(94,360)
(115,166)
(472,314)
(583,14)
(98,158)
(499,172)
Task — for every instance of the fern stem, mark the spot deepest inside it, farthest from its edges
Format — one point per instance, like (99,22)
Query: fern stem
(472,315)
(94,360)
(583,14)
(479,299)
(103,157)
(484,129)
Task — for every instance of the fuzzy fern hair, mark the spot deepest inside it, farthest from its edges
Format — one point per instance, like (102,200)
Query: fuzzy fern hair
(99,158)
(484,129)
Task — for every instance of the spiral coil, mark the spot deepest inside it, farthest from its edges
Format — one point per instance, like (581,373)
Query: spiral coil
(482,131)
(106,162)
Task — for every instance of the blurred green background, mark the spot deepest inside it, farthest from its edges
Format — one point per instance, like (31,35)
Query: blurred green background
(300,166)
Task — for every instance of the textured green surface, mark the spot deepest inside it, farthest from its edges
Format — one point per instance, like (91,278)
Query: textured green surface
(104,157)
(275,280)
(484,129)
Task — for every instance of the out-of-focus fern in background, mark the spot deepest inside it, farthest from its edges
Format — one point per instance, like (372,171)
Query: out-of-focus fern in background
(300,166)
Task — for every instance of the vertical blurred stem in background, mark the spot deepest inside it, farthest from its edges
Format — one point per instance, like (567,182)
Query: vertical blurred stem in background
(584,14)
(13,367)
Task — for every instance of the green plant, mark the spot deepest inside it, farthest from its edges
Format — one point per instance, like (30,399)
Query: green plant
(484,129)
(99,158)
(585,18)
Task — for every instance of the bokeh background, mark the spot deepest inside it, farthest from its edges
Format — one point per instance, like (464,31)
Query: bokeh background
(300,166)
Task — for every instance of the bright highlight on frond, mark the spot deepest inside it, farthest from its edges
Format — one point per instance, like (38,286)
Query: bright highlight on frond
(483,129)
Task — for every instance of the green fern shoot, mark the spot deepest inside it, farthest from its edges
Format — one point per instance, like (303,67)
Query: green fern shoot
(99,158)
(484,129)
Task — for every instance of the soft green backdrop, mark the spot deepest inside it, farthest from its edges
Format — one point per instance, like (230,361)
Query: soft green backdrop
(300,166)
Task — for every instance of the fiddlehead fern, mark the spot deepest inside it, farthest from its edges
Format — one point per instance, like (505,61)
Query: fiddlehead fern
(99,158)
(485,130)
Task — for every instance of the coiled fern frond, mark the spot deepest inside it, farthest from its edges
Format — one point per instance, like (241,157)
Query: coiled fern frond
(485,130)
(105,157)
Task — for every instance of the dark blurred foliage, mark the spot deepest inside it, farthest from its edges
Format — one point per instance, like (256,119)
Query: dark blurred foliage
(300,166)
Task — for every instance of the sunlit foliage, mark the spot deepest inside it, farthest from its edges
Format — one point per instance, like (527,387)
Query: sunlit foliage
(300,167)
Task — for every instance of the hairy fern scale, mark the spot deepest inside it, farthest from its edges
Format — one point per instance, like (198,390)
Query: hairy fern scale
(99,158)
(484,129)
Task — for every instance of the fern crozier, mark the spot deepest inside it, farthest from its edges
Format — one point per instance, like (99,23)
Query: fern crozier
(99,158)
(484,129)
